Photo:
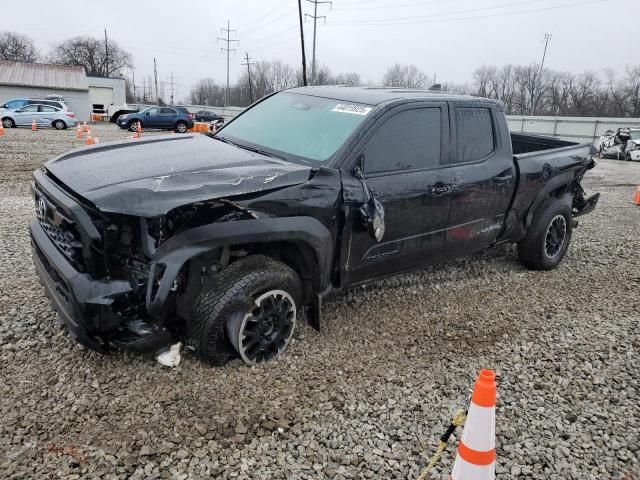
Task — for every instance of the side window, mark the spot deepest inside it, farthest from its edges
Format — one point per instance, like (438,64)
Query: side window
(16,104)
(153,111)
(475,136)
(47,109)
(170,111)
(29,108)
(408,140)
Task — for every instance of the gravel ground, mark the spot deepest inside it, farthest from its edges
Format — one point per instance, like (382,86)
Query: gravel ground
(365,398)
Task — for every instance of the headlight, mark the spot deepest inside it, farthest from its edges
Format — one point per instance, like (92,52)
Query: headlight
(122,117)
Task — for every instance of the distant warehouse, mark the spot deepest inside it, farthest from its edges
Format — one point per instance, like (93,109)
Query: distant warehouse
(81,93)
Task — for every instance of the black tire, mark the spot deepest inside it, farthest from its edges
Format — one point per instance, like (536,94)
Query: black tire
(181,127)
(548,236)
(228,296)
(8,123)
(59,125)
(132,126)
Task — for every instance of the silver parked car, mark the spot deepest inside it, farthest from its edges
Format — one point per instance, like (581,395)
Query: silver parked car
(44,115)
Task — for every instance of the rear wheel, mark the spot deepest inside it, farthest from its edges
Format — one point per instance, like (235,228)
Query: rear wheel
(59,125)
(249,310)
(8,123)
(548,236)
(181,127)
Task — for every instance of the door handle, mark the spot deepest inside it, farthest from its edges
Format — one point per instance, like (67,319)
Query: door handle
(503,179)
(439,189)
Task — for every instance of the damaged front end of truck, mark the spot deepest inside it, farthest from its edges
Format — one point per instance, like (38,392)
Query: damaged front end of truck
(119,259)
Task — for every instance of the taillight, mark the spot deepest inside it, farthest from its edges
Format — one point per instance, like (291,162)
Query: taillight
(70,114)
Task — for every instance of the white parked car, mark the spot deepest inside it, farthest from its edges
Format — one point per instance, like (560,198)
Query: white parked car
(44,115)
(632,148)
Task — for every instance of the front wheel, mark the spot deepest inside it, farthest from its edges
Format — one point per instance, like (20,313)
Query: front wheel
(249,309)
(133,125)
(548,236)
(59,125)
(181,127)
(8,123)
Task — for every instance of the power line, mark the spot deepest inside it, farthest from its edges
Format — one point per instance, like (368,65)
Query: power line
(228,41)
(402,5)
(248,64)
(262,17)
(444,14)
(445,20)
(315,21)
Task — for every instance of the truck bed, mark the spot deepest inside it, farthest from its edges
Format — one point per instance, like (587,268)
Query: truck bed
(543,165)
(523,144)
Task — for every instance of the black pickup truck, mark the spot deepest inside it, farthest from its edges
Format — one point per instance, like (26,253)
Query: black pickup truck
(223,240)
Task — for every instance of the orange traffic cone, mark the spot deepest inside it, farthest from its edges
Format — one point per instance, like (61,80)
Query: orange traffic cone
(96,139)
(34,127)
(89,140)
(1,129)
(85,127)
(476,456)
(139,129)
(636,196)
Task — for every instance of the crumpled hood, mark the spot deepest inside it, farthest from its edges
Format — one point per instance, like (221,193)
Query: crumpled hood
(152,176)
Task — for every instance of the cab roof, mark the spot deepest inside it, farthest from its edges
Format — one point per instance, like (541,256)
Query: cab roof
(378,95)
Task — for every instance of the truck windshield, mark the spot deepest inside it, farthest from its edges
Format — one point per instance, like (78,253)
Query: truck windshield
(298,127)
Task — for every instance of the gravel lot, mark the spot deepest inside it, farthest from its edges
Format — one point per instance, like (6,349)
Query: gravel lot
(368,396)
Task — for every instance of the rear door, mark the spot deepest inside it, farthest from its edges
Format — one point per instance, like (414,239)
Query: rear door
(403,154)
(482,177)
(168,117)
(47,114)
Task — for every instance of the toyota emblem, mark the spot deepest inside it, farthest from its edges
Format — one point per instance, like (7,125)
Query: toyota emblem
(42,208)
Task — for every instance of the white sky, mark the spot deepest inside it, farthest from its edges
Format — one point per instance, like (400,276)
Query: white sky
(444,37)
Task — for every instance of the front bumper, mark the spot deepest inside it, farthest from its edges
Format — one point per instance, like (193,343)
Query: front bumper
(81,302)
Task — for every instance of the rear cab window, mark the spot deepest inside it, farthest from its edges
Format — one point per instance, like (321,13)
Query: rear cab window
(475,134)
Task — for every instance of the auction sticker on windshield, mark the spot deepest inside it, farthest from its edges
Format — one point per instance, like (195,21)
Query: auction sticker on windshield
(354,109)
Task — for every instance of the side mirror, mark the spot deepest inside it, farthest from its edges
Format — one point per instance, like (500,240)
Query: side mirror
(147,114)
(372,212)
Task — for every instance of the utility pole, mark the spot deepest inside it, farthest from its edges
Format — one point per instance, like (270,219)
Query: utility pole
(133,81)
(534,103)
(248,64)
(172,78)
(315,21)
(106,53)
(228,42)
(304,57)
(155,74)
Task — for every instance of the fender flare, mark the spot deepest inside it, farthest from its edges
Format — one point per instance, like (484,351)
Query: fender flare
(171,256)
(563,179)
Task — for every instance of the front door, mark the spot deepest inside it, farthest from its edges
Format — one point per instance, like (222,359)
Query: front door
(26,115)
(403,157)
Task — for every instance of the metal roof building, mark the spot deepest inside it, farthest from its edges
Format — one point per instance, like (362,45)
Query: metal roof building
(37,80)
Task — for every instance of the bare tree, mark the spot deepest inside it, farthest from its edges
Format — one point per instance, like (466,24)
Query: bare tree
(98,59)
(404,76)
(17,47)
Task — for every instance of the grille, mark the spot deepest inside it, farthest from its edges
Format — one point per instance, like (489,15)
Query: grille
(61,230)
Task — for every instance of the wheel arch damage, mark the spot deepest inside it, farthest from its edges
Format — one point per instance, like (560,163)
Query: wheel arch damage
(303,242)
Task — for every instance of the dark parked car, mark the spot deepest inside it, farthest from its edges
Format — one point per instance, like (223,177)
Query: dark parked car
(222,240)
(207,116)
(165,118)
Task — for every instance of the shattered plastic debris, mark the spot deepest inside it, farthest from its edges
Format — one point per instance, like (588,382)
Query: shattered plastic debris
(171,357)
